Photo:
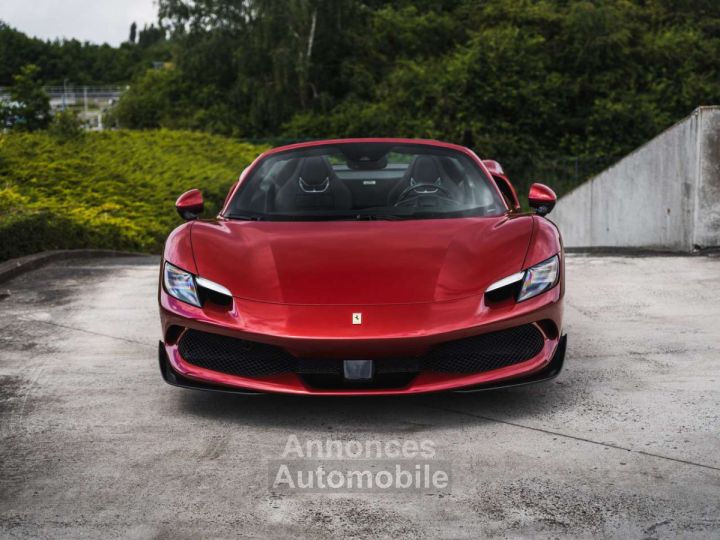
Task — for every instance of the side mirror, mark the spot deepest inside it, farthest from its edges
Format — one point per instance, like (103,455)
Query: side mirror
(542,198)
(190,204)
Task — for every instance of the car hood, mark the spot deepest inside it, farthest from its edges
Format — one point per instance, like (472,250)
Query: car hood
(360,262)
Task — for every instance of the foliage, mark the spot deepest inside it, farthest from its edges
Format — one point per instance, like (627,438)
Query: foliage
(80,63)
(252,64)
(111,190)
(151,102)
(538,80)
(66,125)
(30,104)
(526,82)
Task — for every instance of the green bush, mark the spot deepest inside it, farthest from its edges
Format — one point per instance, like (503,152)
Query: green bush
(66,125)
(113,190)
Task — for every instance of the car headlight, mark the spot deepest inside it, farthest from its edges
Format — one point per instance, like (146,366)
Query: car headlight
(180,284)
(540,278)
(526,284)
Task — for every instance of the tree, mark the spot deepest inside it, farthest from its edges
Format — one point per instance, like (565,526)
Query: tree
(528,81)
(152,101)
(81,62)
(66,125)
(266,59)
(32,104)
(150,35)
(133,32)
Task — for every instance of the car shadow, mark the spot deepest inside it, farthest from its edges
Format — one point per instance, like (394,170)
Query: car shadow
(391,414)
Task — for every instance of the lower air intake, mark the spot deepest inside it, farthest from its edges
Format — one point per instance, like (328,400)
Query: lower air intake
(234,356)
(475,354)
(486,352)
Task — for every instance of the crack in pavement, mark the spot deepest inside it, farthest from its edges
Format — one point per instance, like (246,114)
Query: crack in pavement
(575,437)
(90,332)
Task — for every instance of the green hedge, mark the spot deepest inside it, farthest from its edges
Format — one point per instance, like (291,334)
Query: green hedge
(113,190)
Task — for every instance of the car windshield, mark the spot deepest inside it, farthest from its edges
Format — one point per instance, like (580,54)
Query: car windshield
(366,181)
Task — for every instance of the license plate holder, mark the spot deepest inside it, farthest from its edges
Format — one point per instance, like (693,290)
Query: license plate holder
(358,370)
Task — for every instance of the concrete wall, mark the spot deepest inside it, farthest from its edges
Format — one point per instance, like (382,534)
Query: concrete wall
(666,194)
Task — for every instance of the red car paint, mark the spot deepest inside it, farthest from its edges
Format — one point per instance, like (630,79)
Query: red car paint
(541,196)
(190,203)
(501,178)
(360,262)
(417,283)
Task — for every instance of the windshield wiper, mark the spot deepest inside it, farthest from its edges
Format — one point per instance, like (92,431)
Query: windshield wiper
(245,217)
(392,217)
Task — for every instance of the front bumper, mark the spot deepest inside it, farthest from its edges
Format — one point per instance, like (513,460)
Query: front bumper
(549,372)
(321,334)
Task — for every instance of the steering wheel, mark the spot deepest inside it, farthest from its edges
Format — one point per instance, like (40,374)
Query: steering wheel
(404,199)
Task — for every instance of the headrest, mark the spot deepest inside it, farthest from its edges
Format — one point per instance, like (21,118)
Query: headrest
(426,170)
(314,171)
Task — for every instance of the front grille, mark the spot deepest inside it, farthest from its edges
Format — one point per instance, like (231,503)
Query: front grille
(475,354)
(486,352)
(234,356)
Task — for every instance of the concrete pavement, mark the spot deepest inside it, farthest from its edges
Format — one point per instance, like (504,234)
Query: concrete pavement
(623,444)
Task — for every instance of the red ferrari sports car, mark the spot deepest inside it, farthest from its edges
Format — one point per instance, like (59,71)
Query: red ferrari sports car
(364,266)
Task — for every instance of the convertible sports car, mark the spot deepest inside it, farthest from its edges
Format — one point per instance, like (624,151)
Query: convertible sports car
(364,266)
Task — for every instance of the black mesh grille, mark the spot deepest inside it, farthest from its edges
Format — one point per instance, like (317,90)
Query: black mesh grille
(485,352)
(470,355)
(234,356)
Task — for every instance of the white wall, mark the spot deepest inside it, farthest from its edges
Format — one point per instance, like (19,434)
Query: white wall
(666,194)
(707,213)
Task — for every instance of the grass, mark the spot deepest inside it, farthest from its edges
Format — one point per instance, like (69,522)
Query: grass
(113,189)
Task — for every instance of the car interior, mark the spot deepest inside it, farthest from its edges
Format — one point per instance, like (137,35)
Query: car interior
(330,181)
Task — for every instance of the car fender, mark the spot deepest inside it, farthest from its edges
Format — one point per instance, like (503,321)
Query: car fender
(178,248)
(545,241)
